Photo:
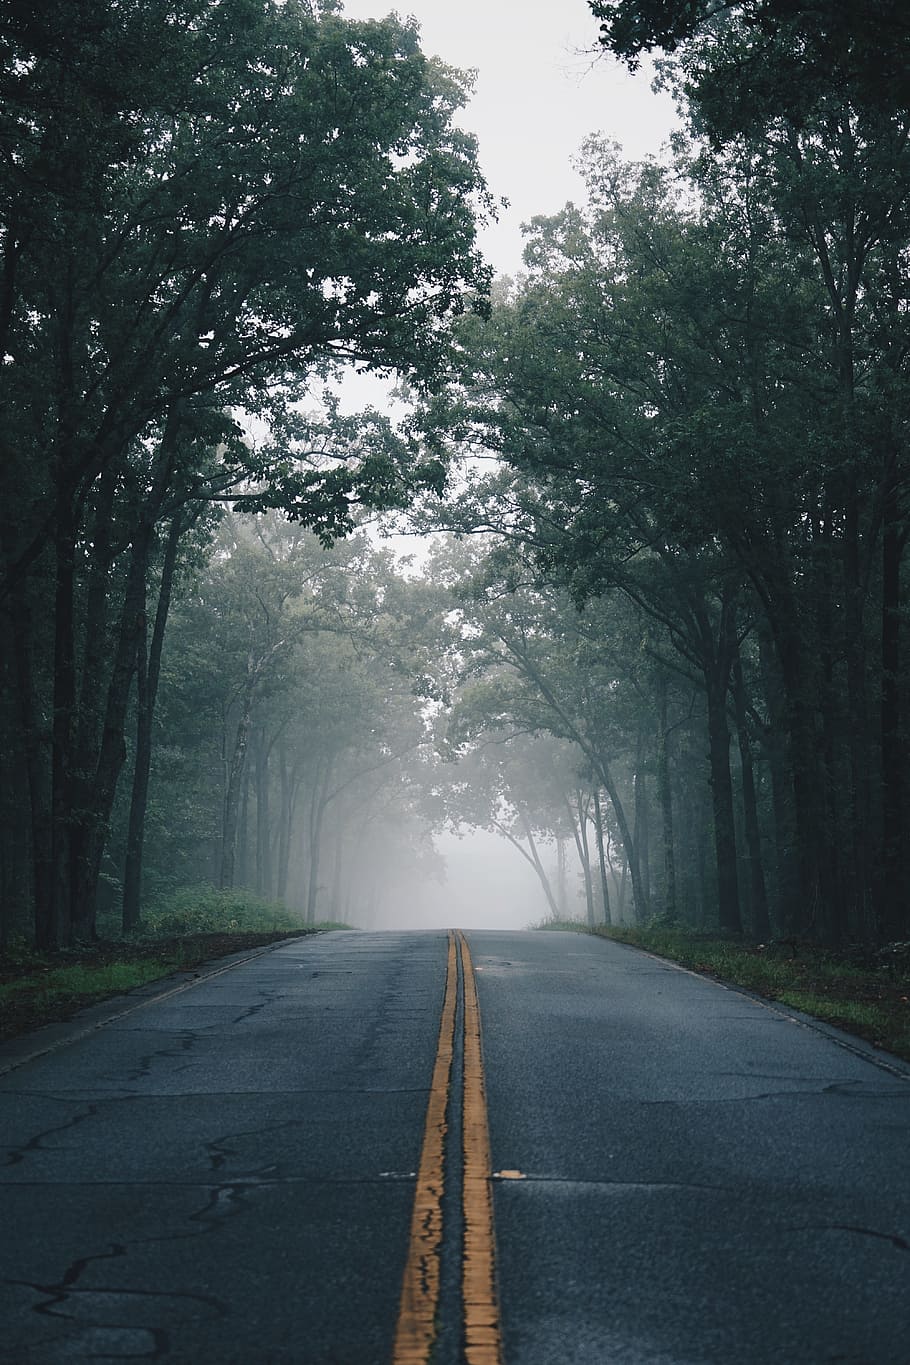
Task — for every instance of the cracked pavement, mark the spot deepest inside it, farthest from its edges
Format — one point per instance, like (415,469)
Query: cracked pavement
(211,1177)
(707,1178)
(226,1174)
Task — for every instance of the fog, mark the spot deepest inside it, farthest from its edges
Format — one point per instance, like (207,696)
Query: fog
(488,885)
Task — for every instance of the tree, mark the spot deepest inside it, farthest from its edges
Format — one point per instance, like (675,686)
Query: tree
(158,277)
(290,721)
(816,100)
(840,45)
(539,673)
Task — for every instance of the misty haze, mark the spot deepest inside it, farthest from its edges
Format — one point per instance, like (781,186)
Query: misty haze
(484,886)
(455,683)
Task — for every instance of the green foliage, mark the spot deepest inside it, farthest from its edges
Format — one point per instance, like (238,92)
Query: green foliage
(20,956)
(874,1004)
(46,992)
(206,208)
(81,982)
(699,391)
(764,973)
(297,667)
(36,989)
(848,1014)
(792,47)
(205,909)
(569,926)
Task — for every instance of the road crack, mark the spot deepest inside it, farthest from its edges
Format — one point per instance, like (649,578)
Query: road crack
(186,1041)
(16,1155)
(898,1242)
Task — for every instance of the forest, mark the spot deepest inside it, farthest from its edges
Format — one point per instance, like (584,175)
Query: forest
(655,632)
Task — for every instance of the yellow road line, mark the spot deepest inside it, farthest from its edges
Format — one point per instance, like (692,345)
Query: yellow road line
(420,1290)
(416,1330)
(483,1341)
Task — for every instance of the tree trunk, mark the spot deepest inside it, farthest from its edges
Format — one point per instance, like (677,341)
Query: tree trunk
(236,766)
(235,772)
(88,827)
(533,857)
(97,601)
(813,859)
(857,916)
(579,821)
(703,888)
(263,822)
(242,847)
(317,816)
(722,808)
(290,780)
(642,819)
(337,875)
(93,827)
(131,910)
(642,904)
(758,898)
(55,920)
(284,828)
(785,917)
(602,858)
(894,914)
(320,796)
(561,877)
(148,674)
(665,796)
(693,818)
(38,773)
(622,889)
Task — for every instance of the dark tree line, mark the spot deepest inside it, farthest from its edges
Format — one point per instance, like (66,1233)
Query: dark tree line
(203,205)
(698,393)
(683,654)
(290,757)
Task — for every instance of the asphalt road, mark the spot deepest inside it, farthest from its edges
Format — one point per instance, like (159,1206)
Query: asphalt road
(227,1174)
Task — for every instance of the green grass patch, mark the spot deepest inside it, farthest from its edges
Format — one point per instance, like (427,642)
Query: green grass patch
(49,993)
(872,1002)
(851,1014)
(189,928)
(571,926)
(84,981)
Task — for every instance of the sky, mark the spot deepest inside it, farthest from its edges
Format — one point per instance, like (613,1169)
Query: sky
(541,89)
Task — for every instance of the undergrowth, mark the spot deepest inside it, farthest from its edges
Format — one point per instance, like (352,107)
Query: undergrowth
(181,932)
(870,998)
(207,910)
(85,981)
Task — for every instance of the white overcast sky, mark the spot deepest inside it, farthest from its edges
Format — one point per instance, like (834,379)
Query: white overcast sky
(539,93)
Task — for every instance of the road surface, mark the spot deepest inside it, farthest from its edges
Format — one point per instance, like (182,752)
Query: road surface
(306,1159)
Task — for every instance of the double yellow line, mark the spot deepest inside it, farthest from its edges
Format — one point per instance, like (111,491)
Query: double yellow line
(417,1314)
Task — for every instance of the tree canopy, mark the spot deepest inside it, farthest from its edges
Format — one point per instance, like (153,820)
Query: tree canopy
(203,208)
(667,626)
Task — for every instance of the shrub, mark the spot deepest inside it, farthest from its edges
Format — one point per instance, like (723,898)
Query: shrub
(206,910)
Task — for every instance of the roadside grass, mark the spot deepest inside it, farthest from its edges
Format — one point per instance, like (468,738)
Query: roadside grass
(177,934)
(865,998)
(49,993)
(571,926)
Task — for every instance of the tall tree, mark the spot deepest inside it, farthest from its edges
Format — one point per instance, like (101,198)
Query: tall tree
(159,273)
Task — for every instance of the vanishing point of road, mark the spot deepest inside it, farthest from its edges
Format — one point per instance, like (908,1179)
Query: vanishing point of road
(498,1148)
